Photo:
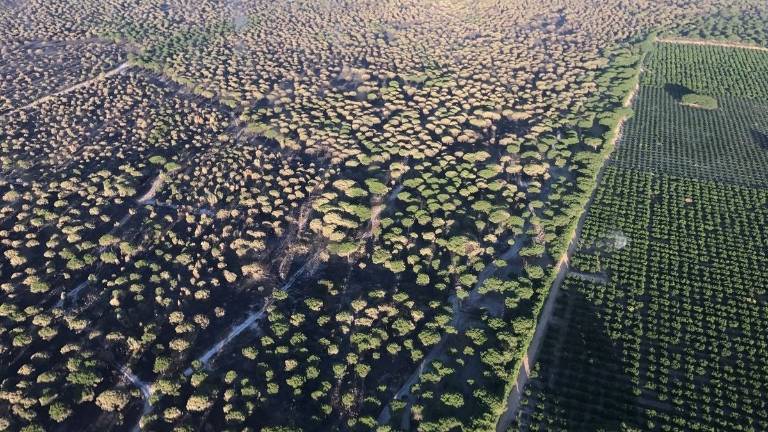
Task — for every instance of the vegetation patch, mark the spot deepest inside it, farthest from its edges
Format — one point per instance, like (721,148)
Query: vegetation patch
(694,100)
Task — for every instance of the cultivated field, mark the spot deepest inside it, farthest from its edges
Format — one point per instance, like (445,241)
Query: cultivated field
(661,322)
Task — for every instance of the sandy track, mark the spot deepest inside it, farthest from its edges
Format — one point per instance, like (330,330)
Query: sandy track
(252,317)
(515,395)
(157,183)
(146,394)
(715,43)
(458,320)
(72,88)
(562,268)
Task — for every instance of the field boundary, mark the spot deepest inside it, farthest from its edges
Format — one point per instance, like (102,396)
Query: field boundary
(709,42)
(512,402)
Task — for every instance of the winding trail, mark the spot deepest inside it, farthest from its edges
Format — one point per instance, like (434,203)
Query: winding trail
(458,320)
(146,394)
(86,83)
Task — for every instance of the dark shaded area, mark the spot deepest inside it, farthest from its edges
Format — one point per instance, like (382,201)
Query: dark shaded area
(582,380)
(603,399)
(677,91)
(760,138)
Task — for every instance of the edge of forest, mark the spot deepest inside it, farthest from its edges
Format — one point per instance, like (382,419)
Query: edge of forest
(515,387)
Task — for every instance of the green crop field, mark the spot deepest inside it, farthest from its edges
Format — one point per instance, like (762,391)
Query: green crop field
(712,70)
(662,323)
(727,144)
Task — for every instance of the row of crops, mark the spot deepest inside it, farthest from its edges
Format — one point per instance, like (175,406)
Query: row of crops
(714,70)
(661,322)
(726,145)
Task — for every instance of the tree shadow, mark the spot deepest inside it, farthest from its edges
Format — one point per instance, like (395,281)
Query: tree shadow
(760,138)
(677,91)
(584,378)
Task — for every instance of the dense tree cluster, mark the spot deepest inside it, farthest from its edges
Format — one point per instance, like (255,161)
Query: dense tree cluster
(33,70)
(736,23)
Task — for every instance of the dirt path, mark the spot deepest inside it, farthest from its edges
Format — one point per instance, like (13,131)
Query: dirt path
(377,208)
(515,395)
(150,194)
(715,43)
(523,374)
(146,394)
(253,317)
(458,320)
(405,390)
(217,347)
(101,76)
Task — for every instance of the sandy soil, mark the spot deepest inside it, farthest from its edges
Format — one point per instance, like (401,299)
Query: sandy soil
(150,194)
(725,44)
(146,394)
